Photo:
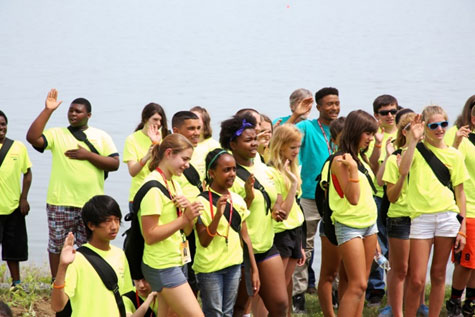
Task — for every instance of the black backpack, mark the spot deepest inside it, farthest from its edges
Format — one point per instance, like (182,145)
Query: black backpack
(134,241)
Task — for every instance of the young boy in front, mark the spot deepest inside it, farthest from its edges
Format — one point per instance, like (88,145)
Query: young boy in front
(77,280)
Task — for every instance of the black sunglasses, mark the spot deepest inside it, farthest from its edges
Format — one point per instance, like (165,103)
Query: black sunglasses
(435,125)
(386,112)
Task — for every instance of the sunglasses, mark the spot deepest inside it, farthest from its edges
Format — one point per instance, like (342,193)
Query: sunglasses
(386,112)
(435,125)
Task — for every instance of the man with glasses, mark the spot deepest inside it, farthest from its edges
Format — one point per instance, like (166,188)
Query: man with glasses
(385,108)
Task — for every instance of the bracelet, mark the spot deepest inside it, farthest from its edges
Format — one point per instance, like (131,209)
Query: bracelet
(209,233)
(354,180)
(155,143)
(462,234)
(58,286)
(377,145)
(142,164)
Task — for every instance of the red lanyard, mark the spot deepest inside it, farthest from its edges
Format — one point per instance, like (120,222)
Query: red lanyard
(138,302)
(210,198)
(326,138)
(178,212)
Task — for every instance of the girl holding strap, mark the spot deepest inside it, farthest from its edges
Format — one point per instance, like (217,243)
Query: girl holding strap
(284,150)
(219,253)
(138,146)
(354,210)
(433,208)
(165,224)
(238,134)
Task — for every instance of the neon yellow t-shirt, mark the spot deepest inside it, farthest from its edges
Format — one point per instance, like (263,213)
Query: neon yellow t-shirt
(217,255)
(200,152)
(468,151)
(296,217)
(85,289)
(259,224)
(426,194)
(136,147)
(73,182)
(362,215)
(165,253)
(391,175)
(15,164)
(382,156)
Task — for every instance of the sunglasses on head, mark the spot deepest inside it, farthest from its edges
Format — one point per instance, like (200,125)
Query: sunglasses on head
(386,112)
(435,125)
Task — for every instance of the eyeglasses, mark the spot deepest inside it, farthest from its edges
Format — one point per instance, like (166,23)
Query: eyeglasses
(386,112)
(435,125)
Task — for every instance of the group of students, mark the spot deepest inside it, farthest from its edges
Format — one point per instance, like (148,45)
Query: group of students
(224,219)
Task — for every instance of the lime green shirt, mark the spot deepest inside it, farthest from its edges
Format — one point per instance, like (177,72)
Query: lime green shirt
(426,194)
(219,255)
(130,306)
(15,164)
(391,175)
(361,215)
(259,224)
(85,289)
(200,152)
(382,156)
(165,253)
(467,149)
(74,182)
(296,217)
(136,147)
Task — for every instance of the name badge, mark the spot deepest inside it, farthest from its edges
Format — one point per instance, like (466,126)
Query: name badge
(185,252)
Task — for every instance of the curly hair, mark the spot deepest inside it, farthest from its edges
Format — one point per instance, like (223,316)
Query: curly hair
(231,126)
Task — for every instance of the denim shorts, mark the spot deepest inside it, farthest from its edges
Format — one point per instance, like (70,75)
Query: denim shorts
(168,278)
(344,233)
(399,227)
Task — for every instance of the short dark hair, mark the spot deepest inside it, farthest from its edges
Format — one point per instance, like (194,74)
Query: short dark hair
(181,116)
(98,209)
(382,101)
(231,126)
(402,112)
(2,114)
(84,102)
(325,92)
(246,110)
(5,310)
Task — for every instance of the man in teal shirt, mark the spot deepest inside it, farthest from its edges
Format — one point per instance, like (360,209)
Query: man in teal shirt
(316,148)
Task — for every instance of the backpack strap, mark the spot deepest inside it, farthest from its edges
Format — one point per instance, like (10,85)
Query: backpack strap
(244,174)
(193,177)
(471,137)
(7,144)
(143,191)
(235,221)
(440,170)
(106,273)
(363,170)
(79,135)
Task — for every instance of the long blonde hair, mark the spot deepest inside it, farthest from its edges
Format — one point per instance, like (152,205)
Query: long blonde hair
(282,137)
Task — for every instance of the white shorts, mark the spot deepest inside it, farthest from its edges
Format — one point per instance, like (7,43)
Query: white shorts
(441,224)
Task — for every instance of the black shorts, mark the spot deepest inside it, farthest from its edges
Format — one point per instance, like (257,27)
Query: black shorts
(13,237)
(289,243)
(266,255)
(399,227)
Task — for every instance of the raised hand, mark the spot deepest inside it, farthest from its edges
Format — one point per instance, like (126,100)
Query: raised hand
(181,202)
(379,135)
(389,146)
(52,102)
(304,106)
(68,253)
(463,132)
(194,210)
(153,132)
(249,187)
(348,161)
(416,129)
(221,204)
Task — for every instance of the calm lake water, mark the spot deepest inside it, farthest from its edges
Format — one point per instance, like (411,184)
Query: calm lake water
(222,55)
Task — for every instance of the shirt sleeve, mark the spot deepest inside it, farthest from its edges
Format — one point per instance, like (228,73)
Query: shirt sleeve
(151,203)
(70,280)
(108,145)
(26,163)
(391,170)
(459,172)
(130,152)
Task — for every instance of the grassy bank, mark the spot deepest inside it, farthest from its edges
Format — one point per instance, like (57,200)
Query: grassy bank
(32,298)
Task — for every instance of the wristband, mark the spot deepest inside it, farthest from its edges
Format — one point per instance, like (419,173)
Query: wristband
(209,233)
(155,143)
(377,146)
(462,234)
(353,180)
(58,286)
(140,162)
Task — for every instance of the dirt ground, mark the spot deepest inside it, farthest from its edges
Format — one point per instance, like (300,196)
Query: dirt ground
(41,308)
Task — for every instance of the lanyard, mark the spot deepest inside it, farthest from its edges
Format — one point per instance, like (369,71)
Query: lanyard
(210,198)
(138,301)
(178,212)
(326,138)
